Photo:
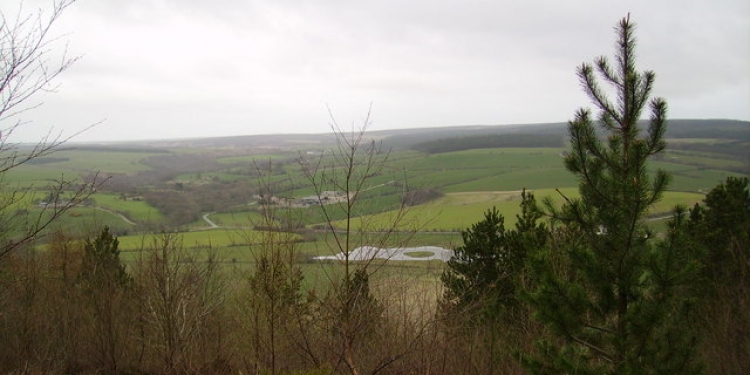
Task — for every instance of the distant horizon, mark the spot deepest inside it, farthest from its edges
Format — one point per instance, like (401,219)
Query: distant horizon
(73,141)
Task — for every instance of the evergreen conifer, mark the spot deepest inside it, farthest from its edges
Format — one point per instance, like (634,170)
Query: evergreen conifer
(609,291)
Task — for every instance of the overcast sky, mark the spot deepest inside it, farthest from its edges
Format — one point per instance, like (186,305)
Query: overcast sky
(156,69)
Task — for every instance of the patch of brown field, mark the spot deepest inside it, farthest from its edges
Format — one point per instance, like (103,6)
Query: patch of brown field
(408,297)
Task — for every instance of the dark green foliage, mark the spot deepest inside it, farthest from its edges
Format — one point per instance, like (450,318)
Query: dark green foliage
(530,233)
(614,297)
(105,283)
(488,270)
(664,317)
(722,226)
(484,284)
(479,270)
(101,262)
(361,302)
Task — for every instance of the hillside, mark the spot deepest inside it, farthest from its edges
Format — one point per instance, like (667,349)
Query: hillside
(400,139)
(727,137)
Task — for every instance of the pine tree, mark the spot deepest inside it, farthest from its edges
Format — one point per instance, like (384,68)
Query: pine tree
(105,283)
(485,281)
(609,293)
(478,268)
(101,262)
(487,271)
(720,226)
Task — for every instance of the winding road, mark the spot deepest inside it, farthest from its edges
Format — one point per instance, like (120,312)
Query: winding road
(211,224)
(121,216)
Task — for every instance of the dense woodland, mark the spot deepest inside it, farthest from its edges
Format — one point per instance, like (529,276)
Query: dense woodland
(578,283)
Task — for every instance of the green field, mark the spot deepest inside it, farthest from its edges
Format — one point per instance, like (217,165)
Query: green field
(33,176)
(703,160)
(73,162)
(205,238)
(471,181)
(256,158)
(237,220)
(134,210)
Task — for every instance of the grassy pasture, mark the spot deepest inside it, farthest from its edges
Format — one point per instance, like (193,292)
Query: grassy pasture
(20,199)
(236,220)
(202,177)
(484,158)
(259,158)
(77,222)
(389,278)
(89,221)
(695,140)
(111,161)
(445,179)
(85,219)
(535,169)
(530,178)
(238,248)
(82,161)
(34,176)
(215,238)
(369,202)
(674,198)
(473,180)
(703,160)
(696,178)
(699,180)
(458,211)
(513,169)
(485,169)
(670,166)
(72,163)
(453,212)
(137,211)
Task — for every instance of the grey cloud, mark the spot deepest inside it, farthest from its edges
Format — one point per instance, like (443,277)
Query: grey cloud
(421,62)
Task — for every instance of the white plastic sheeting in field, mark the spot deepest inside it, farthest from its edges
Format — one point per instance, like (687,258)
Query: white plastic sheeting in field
(396,253)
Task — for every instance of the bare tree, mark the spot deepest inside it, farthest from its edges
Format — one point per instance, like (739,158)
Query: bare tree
(178,294)
(272,297)
(343,182)
(28,66)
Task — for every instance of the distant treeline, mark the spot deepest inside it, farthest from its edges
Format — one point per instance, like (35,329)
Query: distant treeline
(731,150)
(489,141)
(139,150)
(47,160)
(720,129)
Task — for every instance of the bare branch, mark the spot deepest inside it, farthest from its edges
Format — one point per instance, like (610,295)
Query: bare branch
(28,66)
